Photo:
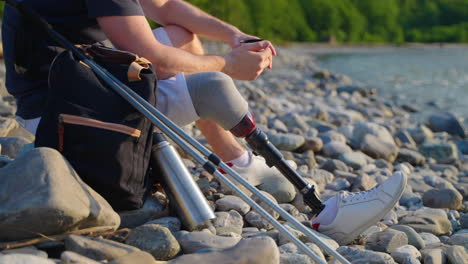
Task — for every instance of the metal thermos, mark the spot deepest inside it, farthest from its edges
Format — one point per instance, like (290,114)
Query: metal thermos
(190,203)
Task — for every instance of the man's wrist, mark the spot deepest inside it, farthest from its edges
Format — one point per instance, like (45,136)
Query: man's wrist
(222,63)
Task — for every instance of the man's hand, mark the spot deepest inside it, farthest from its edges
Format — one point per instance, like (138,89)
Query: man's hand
(248,61)
(235,41)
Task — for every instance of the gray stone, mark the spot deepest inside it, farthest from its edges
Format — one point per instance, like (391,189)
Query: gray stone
(279,187)
(404,137)
(320,177)
(294,258)
(331,135)
(152,209)
(442,152)
(97,249)
(304,238)
(434,256)
(361,129)
(419,185)
(351,177)
(7,125)
(421,134)
(429,239)
(140,257)
(453,215)
(464,221)
(316,250)
(446,122)
(21,132)
(25,250)
(69,257)
(339,185)
(414,238)
(313,144)
(428,220)
(171,223)
(435,181)
(4,160)
(356,255)
(264,205)
(333,164)
(364,236)
(50,189)
(363,183)
(283,239)
(320,125)
(295,120)
(462,146)
(258,250)
(290,209)
(457,255)
(391,218)
(413,157)
(274,234)
(226,222)
(378,149)
(404,253)
(410,199)
(231,202)
(460,239)
(287,142)
(195,241)
(256,220)
(355,160)
(307,158)
(387,240)
(443,198)
(23,259)
(154,239)
(334,149)
(278,125)
(12,145)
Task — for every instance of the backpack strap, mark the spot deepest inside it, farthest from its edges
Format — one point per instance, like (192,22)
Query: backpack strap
(108,55)
(136,67)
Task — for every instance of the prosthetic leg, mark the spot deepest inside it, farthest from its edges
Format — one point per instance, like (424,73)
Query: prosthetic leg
(230,110)
(258,141)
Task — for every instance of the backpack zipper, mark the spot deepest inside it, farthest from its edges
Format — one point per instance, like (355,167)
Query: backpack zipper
(84,121)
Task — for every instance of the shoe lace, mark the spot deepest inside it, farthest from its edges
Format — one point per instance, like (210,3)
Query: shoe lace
(351,197)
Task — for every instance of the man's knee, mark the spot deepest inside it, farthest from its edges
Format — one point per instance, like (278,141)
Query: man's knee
(184,39)
(215,97)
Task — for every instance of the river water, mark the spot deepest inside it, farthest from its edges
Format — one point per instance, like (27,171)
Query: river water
(429,78)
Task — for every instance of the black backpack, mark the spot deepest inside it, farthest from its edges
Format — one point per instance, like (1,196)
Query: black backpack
(104,138)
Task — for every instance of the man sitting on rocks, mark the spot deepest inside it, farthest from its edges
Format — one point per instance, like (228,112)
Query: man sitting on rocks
(186,75)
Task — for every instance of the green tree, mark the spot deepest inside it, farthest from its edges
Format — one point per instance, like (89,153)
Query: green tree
(382,20)
(280,20)
(338,18)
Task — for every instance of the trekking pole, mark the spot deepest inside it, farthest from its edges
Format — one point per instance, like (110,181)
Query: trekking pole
(178,136)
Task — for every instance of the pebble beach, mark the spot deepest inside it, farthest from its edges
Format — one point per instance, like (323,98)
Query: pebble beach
(342,136)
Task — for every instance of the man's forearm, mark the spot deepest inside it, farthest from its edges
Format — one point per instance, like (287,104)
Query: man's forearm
(166,60)
(178,12)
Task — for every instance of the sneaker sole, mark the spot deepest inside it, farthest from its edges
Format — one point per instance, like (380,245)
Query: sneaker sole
(348,238)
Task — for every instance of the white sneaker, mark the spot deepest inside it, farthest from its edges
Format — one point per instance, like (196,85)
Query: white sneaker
(258,170)
(359,211)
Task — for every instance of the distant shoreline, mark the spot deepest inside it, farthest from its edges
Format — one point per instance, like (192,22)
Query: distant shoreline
(323,48)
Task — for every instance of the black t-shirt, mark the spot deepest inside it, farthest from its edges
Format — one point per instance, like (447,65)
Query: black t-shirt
(75,19)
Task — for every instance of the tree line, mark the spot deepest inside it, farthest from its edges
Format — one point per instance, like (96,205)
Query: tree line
(346,21)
